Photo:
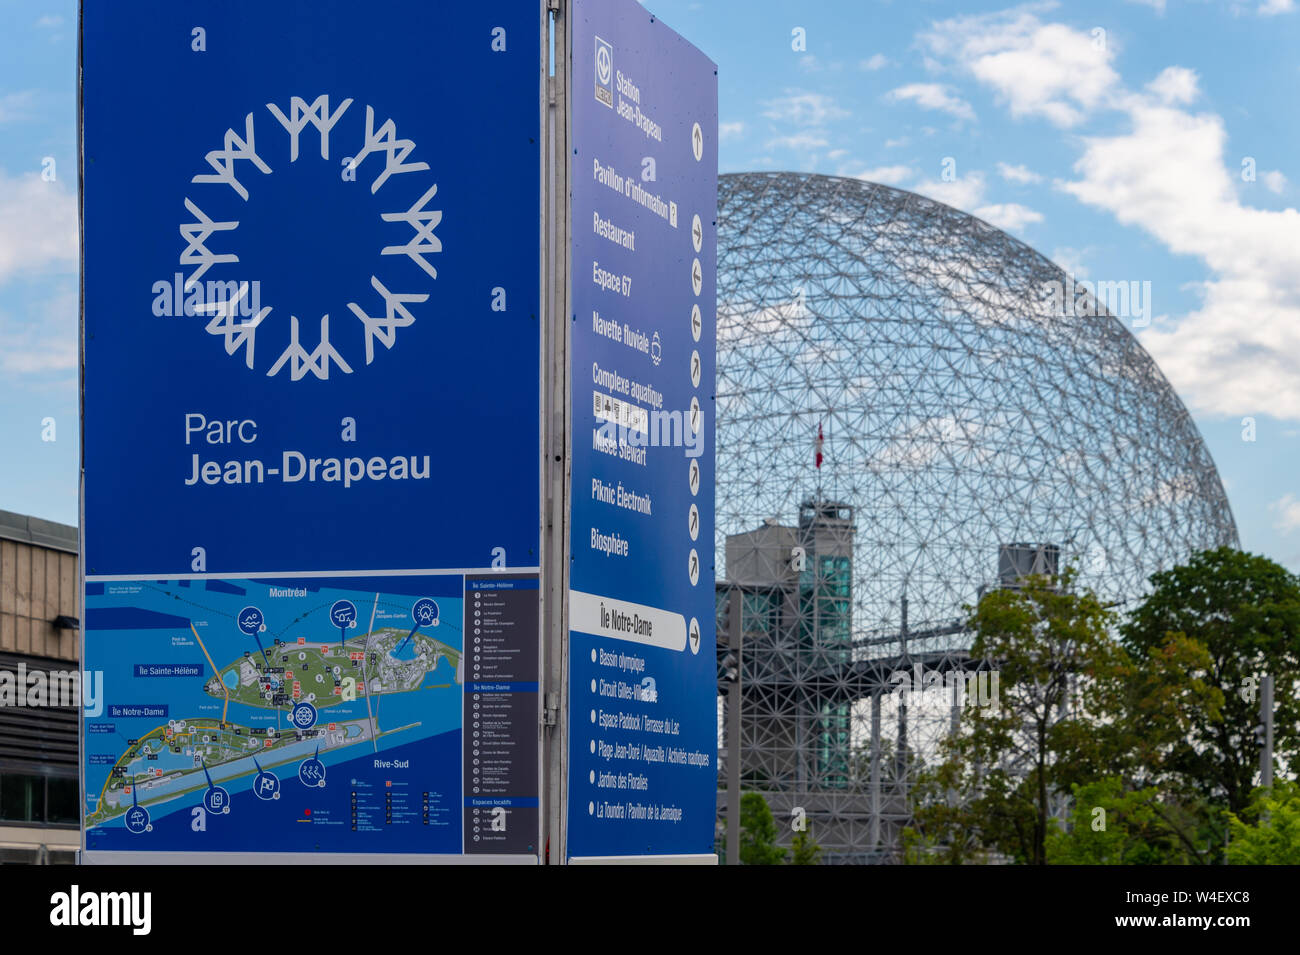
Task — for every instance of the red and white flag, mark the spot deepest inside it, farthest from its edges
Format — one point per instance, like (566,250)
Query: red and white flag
(818,445)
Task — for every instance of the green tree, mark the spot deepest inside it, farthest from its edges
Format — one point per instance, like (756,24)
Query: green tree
(1270,834)
(758,832)
(1110,825)
(1245,611)
(804,850)
(1073,708)
(1167,691)
(1058,670)
(919,848)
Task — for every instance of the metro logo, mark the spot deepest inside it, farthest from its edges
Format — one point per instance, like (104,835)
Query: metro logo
(604,61)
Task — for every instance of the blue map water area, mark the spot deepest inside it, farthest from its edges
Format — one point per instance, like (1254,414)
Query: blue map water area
(424,705)
(401,584)
(314,819)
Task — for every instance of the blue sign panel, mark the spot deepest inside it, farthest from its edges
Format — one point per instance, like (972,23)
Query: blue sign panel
(311,282)
(642,670)
(311,424)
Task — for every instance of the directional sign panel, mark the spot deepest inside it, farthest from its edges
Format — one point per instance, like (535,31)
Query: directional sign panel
(311,425)
(642,743)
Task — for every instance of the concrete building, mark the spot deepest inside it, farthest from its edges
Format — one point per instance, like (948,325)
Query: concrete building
(39,650)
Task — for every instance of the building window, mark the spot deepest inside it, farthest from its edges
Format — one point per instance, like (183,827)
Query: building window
(39,800)
(62,801)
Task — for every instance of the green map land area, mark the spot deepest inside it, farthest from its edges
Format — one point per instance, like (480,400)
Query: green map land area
(169,761)
(325,674)
(182,755)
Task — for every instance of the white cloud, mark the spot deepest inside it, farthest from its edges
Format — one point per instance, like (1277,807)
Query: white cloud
(888,175)
(38,226)
(43,342)
(50,21)
(933,96)
(965,192)
(877,62)
(1008,215)
(1048,70)
(1275,182)
(1165,173)
(16,106)
(1288,510)
(1018,174)
(1270,8)
(806,139)
(728,131)
(837,154)
(1071,260)
(803,109)
(895,143)
(1235,354)
(1175,85)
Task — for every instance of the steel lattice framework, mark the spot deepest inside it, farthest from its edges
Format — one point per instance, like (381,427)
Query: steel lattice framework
(976,427)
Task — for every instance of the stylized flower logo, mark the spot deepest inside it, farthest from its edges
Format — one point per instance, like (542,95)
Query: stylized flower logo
(231,317)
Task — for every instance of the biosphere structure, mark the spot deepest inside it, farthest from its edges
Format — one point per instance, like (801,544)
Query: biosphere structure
(976,417)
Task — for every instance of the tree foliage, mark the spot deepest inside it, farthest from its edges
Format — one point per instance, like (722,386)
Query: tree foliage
(758,832)
(1074,708)
(1270,832)
(1112,825)
(1245,611)
(1058,670)
(804,850)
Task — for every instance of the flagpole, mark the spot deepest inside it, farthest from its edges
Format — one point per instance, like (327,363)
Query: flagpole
(817,460)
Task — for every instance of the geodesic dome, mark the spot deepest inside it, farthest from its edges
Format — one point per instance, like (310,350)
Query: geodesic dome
(979,424)
(963,408)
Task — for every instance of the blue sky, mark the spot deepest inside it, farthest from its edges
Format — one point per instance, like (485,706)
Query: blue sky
(1114,137)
